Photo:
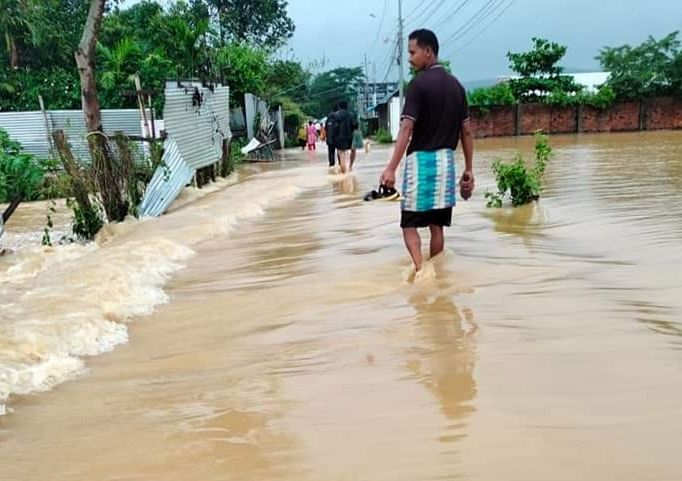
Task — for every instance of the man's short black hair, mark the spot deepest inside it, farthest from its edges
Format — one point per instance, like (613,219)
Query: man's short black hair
(425,38)
(343,105)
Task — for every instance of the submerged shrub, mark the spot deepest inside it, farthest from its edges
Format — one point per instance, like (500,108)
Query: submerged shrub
(516,179)
(383,136)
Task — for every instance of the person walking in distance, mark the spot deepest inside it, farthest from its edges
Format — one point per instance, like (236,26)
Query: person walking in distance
(343,134)
(311,132)
(329,126)
(434,119)
(358,143)
(302,136)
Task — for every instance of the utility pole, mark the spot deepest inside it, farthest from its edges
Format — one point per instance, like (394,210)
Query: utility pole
(400,53)
(366,99)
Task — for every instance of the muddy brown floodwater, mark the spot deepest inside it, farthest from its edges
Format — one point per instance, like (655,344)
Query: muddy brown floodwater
(266,332)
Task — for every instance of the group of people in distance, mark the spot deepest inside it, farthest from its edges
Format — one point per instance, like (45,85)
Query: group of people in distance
(340,131)
(308,135)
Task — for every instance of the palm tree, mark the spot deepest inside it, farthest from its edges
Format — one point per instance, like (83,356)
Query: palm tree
(13,25)
(7,87)
(118,62)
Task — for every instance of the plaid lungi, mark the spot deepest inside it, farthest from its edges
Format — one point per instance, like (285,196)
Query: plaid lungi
(429,180)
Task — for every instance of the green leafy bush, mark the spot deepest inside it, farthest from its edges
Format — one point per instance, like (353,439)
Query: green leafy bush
(236,155)
(522,183)
(500,94)
(59,87)
(603,98)
(20,175)
(383,136)
(87,221)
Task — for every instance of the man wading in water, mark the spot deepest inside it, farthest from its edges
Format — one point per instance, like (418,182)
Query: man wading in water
(435,117)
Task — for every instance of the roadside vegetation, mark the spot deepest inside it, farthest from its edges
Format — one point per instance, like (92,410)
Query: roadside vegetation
(517,181)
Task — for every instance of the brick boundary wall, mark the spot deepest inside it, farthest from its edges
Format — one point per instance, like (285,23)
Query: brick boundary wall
(524,119)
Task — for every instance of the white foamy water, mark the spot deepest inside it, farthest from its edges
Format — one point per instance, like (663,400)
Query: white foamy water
(63,303)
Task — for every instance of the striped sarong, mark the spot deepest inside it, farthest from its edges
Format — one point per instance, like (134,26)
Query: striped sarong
(429,180)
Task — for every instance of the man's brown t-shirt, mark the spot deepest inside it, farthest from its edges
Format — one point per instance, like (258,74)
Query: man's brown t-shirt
(437,103)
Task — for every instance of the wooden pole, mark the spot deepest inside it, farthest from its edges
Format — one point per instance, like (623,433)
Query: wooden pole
(47,126)
(140,103)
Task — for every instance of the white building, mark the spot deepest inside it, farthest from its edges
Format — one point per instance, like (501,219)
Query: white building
(590,80)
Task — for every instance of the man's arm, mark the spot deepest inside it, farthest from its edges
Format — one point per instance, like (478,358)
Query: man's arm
(467,145)
(406,127)
(467,138)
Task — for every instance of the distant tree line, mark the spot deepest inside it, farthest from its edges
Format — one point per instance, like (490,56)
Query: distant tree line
(232,41)
(652,69)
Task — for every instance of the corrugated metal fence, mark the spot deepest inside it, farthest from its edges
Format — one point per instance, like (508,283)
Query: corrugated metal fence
(196,121)
(31,130)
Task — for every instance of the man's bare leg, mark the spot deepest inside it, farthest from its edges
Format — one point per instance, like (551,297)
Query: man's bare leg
(414,245)
(437,240)
(342,161)
(353,155)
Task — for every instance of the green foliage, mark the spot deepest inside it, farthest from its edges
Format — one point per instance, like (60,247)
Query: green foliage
(542,60)
(288,79)
(293,114)
(244,68)
(540,74)
(15,27)
(523,184)
(263,23)
(56,184)
(236,156)
(383,136)
(86,221)
(51,209)
(20,175)
(58,26)
(603,98)
(59,87)
(500,94)
(329,88)
(446,64)
(651,69)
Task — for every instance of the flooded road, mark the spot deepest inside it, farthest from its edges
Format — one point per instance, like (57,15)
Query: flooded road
(266,332)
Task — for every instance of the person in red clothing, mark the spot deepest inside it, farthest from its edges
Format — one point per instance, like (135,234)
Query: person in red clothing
(312,135)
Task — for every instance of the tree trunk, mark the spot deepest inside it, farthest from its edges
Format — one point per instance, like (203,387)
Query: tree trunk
(13,52)
(105,175)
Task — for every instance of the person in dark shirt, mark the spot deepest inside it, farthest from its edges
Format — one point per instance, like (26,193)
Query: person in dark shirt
(329,126)
(343,134)
(434,119)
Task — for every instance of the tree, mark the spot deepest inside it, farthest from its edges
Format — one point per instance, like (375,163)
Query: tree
(106,177)
(263,23)
(56,30)
(331,87)
(540,74)
(288,79)
(118,62)
(14,24)
(243,68)
(138,23)
(182,35)
(651,69)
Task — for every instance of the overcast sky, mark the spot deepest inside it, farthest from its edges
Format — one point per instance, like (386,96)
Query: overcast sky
(342,31)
